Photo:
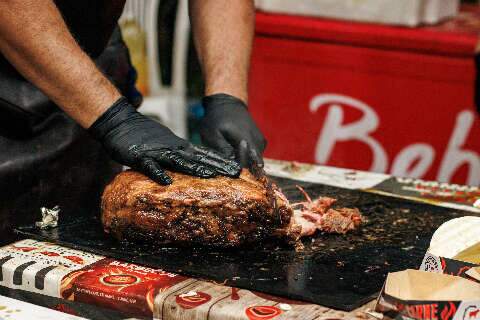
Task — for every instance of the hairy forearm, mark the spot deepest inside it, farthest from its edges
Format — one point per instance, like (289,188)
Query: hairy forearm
(36,41)
(223,33)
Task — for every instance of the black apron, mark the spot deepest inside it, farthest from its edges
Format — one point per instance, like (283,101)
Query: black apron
(46,159)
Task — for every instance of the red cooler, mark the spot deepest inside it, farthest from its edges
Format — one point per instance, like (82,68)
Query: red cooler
(370,97)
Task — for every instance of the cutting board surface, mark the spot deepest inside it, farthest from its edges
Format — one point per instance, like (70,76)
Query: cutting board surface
(338,271)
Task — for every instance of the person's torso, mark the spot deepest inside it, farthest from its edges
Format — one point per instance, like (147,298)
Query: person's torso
(91,21)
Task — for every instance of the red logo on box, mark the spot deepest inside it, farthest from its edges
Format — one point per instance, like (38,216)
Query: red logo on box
(118,285)
(262,312)
(192,301)
(50,253)
(75,259)
(119,279)
(24,249)
(471,313)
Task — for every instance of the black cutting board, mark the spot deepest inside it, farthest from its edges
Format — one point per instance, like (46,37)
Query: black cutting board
(337,271)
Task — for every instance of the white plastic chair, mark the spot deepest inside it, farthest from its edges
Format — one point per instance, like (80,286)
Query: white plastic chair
(167,103)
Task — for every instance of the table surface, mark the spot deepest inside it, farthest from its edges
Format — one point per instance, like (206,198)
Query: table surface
(22,262)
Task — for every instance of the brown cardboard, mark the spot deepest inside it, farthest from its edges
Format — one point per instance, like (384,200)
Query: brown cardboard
(470,254)
(474,273)
(421,285)
(414,294)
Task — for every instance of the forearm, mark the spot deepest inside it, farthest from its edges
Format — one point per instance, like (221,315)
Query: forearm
(223,34)
(35,39)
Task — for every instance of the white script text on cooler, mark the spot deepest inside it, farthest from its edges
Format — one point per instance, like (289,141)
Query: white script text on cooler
(413,160)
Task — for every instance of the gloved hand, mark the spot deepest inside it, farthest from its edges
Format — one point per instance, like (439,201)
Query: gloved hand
(228,128)
(141,143)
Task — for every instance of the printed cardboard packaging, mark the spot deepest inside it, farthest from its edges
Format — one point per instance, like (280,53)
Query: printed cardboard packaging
(444,288)
(454,248)
(415,294)
(137,291)
(435,264)
(114,284)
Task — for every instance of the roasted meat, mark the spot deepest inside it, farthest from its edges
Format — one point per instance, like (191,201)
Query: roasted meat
(220,211)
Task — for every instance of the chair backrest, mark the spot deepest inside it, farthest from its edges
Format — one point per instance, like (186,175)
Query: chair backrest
(145,13)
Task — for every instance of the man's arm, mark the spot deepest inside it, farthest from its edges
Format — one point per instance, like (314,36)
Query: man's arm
(223,33)
(36,40)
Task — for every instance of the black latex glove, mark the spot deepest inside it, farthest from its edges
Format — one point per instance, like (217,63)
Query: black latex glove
(145,145)
(228,128)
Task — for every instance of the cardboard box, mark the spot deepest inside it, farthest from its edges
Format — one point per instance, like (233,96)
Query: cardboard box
(135,290)
(432,263)
(454,248)
(444,288)
(414,294)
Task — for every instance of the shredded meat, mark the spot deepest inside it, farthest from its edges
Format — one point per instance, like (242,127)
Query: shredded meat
(313,215)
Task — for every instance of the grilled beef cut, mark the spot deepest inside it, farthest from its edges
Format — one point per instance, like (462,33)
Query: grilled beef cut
(221,211)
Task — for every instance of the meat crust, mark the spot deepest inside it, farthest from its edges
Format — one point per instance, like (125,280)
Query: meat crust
(221,211)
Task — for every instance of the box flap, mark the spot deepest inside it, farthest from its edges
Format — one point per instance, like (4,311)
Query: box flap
(420,285)
(457,37)
(474,273)
(471,254)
